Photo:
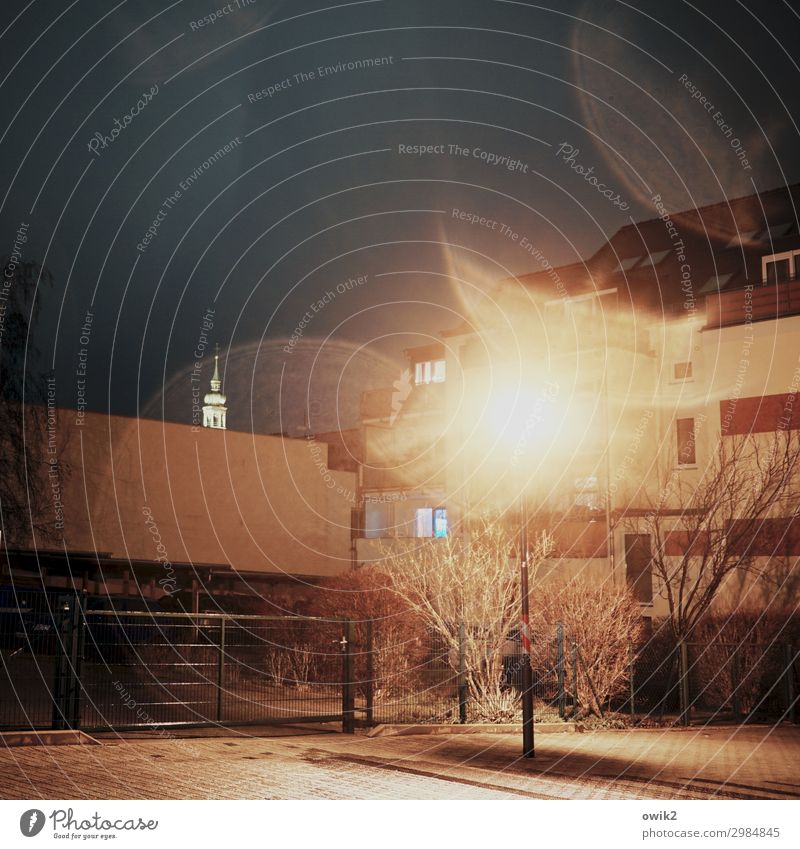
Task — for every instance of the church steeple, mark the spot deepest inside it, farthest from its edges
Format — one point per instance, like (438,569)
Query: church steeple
(215,412)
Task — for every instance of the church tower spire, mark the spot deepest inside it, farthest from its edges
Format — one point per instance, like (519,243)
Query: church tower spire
(214,410)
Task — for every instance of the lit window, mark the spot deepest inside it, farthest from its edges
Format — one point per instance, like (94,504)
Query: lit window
(687,455)
(423,522)
(682,371)
(430,371)
(440,522)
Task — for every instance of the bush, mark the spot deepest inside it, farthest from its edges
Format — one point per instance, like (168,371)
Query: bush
(606,622)
(398,636)
(739,654)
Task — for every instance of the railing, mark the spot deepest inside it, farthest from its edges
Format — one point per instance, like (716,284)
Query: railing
(756,303)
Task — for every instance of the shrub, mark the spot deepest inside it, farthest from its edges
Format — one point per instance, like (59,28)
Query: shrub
(606,622)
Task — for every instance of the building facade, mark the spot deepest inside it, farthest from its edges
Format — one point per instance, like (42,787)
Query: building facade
(601,390)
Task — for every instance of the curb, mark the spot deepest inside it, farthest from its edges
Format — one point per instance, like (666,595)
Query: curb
(402,730)
(12,739)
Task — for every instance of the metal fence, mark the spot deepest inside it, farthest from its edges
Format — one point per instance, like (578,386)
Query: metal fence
(428,677)
(65,665)
(68,664)
(714,681)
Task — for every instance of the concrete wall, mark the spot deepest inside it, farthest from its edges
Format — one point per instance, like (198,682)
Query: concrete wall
(258,503)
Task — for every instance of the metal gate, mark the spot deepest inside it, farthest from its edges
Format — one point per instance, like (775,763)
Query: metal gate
(65,665)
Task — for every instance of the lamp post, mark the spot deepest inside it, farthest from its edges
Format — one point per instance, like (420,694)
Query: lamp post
(527,672)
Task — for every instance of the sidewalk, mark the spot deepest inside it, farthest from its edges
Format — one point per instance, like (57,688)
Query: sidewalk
(751,762)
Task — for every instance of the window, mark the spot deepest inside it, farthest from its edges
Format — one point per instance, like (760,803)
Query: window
(776,231)
(627,263)
(682,371)
(655,258)
(778,271)
(378,518)
(430,522)
(741,239)
(778,268)
(716,283)
(430,371)
(686,442)
(423,522)
(638,567)
(586,493)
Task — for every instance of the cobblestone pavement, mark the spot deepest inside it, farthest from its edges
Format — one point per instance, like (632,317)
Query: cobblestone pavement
(694,763)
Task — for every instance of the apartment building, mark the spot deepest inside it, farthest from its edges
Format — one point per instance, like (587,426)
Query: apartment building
(584,387)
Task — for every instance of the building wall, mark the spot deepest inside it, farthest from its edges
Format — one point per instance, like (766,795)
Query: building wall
(256,503)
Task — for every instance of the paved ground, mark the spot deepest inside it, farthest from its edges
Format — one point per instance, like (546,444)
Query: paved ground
(656,764)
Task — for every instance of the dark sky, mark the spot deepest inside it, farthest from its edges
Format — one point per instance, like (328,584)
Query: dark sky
(314,190)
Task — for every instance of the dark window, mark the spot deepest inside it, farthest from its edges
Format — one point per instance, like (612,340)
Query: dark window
(638,567)
(686,444)
(682,371)
(778,271)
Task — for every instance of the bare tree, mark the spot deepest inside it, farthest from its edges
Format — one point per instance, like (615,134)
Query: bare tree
(25,507)
(466,589)
(605,621)
(703,531)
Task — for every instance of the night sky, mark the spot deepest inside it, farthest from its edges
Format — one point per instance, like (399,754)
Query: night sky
(193,174)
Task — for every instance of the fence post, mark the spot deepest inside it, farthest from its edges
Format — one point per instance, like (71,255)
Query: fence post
(683,681)
(369,685)
(562,692)
(75,661)
(462,675)
(632,672)
(736,676)
(789,678)
(574,677)
(348,689)
(65,687)
(220,669)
